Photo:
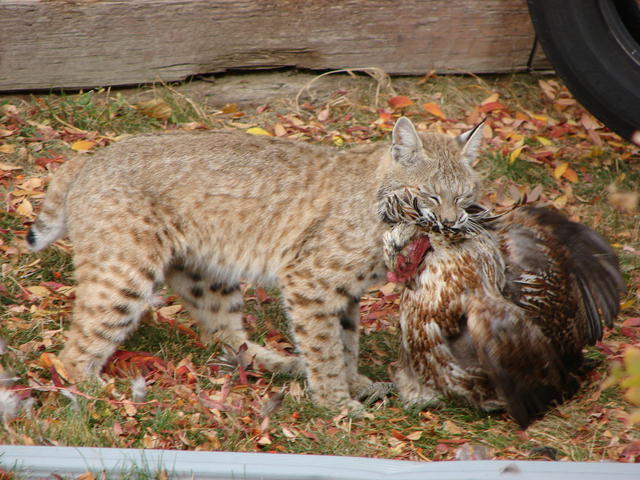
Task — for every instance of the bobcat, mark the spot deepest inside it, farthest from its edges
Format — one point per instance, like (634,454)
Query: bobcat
(201,211)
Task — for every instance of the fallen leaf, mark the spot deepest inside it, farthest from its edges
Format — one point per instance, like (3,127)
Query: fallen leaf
(491,99)
(434,109)
(7,148)
(230,108)
(170,310)
(513,156)
(560,202)
(279,130)
(86,476)
(323,115)
(25,208)
(82,145)
(155,108)
(7,167)
(452,427)
(400,101)
(39,291)
(571,175)
(258,131)
(559,170)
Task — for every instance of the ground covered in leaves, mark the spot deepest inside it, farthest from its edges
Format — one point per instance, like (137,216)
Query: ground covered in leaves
(164,389)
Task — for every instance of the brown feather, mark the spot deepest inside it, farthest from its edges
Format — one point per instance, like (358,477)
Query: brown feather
(500,314)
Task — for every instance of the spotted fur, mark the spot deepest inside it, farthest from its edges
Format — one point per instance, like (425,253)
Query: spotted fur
(203,211)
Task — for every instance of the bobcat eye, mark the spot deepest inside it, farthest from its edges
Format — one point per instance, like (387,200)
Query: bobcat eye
(462,199)
(435,199)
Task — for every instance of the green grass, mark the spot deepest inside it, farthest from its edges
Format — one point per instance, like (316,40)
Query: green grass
(173,415)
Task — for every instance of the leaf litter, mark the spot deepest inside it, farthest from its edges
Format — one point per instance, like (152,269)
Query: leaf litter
(167,389)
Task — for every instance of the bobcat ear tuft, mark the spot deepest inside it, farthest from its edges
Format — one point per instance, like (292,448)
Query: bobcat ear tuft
(406,144)
(470,142)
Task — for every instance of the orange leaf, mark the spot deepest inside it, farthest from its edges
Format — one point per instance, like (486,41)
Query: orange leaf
(82,145)
(491,106)
(434,109)
(571,175)
(400,101)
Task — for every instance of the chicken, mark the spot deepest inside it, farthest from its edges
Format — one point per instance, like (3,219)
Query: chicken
(500,308)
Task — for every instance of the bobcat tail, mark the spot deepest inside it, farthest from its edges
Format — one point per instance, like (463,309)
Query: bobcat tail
(51,222)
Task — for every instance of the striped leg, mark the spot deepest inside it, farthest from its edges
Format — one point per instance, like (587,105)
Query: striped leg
(217,307)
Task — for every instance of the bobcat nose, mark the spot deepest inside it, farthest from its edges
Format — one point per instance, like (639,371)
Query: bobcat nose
(448,223)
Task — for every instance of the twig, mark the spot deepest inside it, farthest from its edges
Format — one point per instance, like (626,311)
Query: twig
(380,76)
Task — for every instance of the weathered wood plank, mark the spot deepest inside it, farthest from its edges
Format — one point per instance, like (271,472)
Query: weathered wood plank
(84,43)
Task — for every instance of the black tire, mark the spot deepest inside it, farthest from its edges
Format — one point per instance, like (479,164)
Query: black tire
(594,45)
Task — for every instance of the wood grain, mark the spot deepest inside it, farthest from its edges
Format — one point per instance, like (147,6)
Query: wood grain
(59,43)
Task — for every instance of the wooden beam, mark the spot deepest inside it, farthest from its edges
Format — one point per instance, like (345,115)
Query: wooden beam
(87,43)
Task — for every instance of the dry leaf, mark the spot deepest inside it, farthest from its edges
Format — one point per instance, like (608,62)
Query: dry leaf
(559,170)
(264,440)
(170,310)
(288,433)
(400,101)
(491,99)
(82,145)
(279,130)
(7,148)
(258,131)
(86,476)
(560,202)
(513,156)
(25,208)
(7,167)
(230,108)
(155,108)
(434,109)
(451,427)
(323,115)
(571,175)
(39,291)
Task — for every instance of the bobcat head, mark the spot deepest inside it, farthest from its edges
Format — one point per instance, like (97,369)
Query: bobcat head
(438,188)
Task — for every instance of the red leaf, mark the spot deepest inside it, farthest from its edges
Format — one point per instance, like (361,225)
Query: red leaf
(631,322)
(44,161)
(441,448)
(262,295)
(124,363)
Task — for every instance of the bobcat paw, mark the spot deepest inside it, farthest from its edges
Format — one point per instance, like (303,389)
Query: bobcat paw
(376,391)
(422,403)
(292,366)
(354,409)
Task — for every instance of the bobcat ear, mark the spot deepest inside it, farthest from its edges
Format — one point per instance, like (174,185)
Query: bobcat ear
(406,143)
(470,141)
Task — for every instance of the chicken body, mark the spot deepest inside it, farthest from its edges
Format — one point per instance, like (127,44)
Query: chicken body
(500,316)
